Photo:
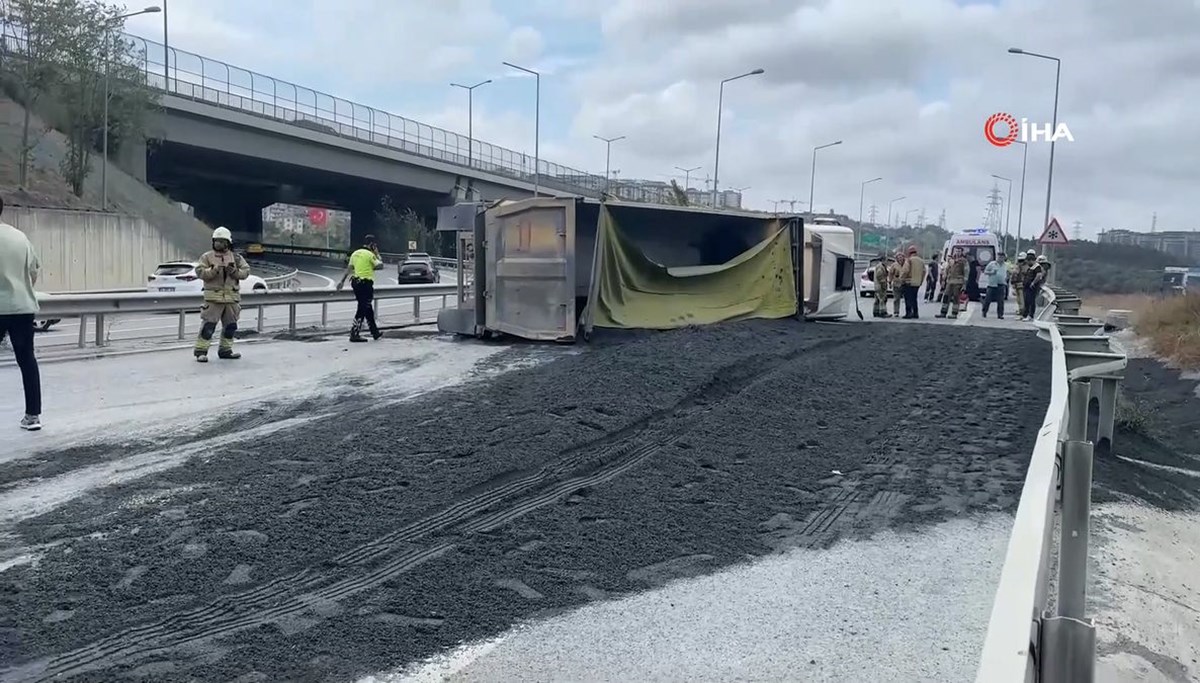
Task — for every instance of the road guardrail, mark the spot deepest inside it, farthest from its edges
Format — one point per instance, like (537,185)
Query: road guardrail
(100,306)
(1025,641)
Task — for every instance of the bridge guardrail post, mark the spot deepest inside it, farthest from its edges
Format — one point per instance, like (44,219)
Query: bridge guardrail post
(1108,412)
(291,317)
(182,324)
(324,316)
(100,329)
(417,308)
(82,331)
(260,322)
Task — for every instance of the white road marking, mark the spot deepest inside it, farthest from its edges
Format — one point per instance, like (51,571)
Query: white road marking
(327,279)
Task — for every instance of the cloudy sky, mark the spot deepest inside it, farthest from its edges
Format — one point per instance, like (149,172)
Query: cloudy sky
(906,84)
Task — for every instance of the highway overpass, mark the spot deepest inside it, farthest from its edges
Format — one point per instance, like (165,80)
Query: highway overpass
(229,142)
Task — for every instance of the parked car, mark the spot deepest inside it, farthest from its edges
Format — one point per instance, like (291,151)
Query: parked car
(866,284)
(417,267)
(180,276)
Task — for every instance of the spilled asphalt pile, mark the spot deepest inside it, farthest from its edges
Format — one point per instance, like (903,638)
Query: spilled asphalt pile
(359,542)
(1156,441)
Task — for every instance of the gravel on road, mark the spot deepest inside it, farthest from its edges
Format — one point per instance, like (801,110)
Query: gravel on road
(380,535)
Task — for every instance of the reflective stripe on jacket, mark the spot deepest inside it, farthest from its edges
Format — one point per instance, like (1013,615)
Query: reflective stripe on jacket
(219,286)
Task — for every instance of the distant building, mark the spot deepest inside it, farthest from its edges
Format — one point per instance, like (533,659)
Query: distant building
(1178,242)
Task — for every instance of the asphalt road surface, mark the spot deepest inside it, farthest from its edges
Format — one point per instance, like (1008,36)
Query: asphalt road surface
(365,536)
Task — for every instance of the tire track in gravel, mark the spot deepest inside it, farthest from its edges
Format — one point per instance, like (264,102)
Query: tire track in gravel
(580,466)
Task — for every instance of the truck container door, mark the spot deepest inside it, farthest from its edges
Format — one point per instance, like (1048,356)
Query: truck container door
(531,269)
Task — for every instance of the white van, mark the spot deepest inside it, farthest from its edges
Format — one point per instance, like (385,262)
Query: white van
(979,246)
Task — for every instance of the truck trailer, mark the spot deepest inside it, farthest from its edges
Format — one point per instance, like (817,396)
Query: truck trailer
(554,269)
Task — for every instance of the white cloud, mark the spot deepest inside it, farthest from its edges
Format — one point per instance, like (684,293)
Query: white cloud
(907,86)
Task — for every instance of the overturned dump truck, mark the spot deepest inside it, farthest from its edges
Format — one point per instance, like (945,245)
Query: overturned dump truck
(553,269)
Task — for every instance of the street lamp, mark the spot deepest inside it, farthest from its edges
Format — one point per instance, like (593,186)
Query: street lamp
(812,183)
(890,223)
(862,192)
(1007,210)
(1053,124)
(107,68)
(608,157)
(687,175)
(1021,203)
(720,101)
(537,115)
(471,118)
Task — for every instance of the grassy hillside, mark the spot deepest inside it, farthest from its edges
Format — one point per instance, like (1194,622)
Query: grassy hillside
(47,189)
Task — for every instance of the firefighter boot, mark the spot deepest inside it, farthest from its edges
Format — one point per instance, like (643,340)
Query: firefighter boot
(203,341)
(225,351)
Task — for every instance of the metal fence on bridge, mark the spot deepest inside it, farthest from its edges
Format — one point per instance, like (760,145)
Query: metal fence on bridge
(1025,641)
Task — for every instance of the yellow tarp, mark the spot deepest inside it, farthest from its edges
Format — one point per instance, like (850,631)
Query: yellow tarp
(634,292)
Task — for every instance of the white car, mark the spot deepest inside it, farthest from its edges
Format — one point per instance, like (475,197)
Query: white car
(180,276)
(866,286)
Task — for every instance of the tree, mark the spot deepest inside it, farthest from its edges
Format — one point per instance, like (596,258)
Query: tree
(677,195)
(66,49)
(395,228)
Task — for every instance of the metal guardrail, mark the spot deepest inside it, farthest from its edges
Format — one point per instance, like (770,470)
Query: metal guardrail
(101,306)
(1025,641)
(342,254)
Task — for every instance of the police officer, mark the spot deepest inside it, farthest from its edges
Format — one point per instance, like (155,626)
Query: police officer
(361,271)
(222,271)
(882,277)
(896,276)
(956,278)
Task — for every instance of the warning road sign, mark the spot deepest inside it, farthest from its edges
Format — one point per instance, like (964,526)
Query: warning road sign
(1053,234)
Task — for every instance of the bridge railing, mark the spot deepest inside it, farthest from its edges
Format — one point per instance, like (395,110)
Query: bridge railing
(1025,640)
(200,78)
(101,308)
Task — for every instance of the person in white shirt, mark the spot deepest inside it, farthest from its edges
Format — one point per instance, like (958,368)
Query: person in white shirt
(18,305)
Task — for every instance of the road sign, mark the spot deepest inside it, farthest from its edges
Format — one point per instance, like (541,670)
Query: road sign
(412,245)
(872,240)
(1053,234)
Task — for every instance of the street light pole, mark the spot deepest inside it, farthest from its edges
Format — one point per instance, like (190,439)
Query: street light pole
(862,193)
(1007,210)
(687,176)
(608,157)
(812,182)
(166,52)
(720,103)
(891,224)
(108,57)
(537,115)
(1053,124)
(471,118)
(1021,203)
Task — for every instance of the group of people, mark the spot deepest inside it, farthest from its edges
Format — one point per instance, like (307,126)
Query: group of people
(903,274)
(222,271)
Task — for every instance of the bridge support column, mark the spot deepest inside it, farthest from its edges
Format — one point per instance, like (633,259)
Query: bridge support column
(239,209)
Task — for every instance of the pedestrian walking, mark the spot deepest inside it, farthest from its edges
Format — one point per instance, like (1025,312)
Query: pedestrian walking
(996,275)
(361,271)
(222,271)
(19,269)
(914,273)
(956,278)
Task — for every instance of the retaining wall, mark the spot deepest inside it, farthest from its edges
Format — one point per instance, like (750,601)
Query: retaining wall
(82,250)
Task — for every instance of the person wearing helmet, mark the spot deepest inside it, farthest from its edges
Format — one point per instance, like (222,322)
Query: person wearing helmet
(931,277)
(222,271)
(956,279)
(1035,275)
(1017,279)
(881,277)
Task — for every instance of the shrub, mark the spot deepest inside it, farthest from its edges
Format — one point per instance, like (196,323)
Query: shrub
(1172,327)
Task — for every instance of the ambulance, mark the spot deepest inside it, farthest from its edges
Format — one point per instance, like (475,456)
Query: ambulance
(980,247)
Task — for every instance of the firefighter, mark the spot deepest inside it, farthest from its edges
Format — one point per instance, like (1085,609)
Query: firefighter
(881,274)
(914,271)
(896,277)
(956,278)
(1035,276)
(1016,278)
(222,272)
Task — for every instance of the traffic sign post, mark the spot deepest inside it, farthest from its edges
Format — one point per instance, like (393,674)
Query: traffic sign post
(1053,236)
